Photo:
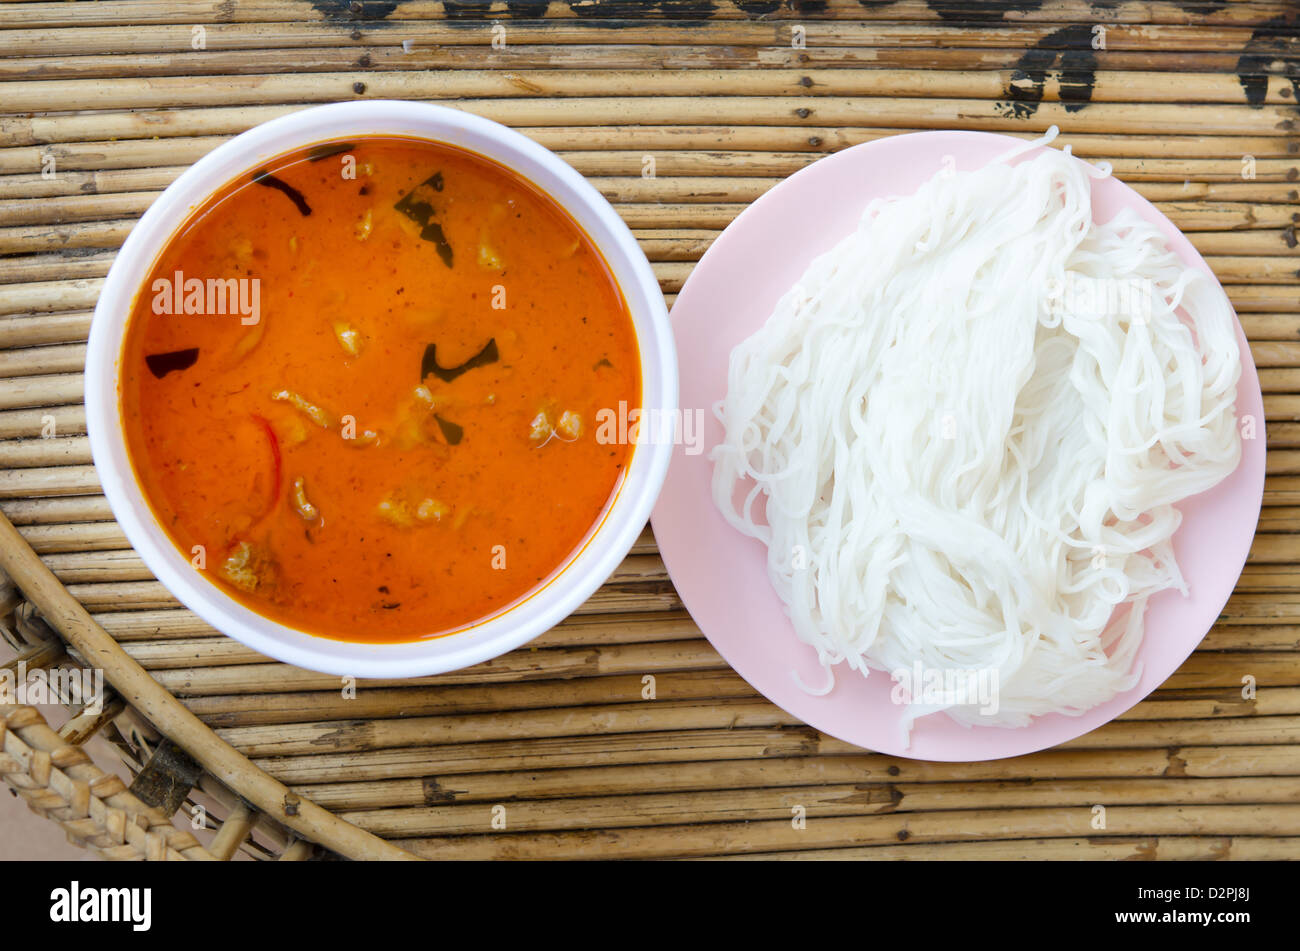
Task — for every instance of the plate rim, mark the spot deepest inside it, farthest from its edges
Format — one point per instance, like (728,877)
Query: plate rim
(1031,146)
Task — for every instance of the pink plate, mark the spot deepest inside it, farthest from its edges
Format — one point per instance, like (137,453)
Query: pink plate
(721,575)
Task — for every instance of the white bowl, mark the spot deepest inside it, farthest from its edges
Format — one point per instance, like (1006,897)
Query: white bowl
(573,582)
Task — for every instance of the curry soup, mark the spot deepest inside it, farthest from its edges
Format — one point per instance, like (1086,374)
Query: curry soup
(361,388)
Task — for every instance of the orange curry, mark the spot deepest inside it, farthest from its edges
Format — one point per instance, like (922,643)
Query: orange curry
(362,388)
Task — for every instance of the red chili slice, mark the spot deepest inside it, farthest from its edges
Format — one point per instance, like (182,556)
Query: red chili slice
(275,463)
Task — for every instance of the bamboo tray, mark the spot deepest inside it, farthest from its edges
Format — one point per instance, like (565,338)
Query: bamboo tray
(552,751)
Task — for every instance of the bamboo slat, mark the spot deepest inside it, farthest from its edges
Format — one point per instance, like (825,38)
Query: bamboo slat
(549,784)
(1206,173)
(934,827)
(852,799)
(167,151)
(244,710)
(1107,87)
(943,113)
(1194,105)
(80,64)
(1153,848)
(276,11)
(597,757)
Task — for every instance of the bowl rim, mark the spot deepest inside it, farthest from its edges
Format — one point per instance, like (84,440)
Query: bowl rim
(585,569)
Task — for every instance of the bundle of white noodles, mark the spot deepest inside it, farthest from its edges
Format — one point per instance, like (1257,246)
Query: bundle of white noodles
(969,423)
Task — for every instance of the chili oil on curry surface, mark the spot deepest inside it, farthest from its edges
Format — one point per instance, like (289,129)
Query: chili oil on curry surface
(405,440)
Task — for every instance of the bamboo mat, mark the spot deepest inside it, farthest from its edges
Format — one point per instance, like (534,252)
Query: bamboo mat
(1193,103)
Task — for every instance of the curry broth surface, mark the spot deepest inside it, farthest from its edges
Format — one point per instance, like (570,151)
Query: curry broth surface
(447,503)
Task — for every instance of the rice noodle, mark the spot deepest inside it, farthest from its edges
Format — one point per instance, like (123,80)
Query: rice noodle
(961,435)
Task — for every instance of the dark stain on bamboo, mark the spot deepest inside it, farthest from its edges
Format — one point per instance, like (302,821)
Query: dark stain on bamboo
(482,9)
(886,795)
(1143,851)
(1270,43)
(977,14)
(1068,52)
(349,735)
(616,15)
(354,10)
(805,741)
(434,793)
